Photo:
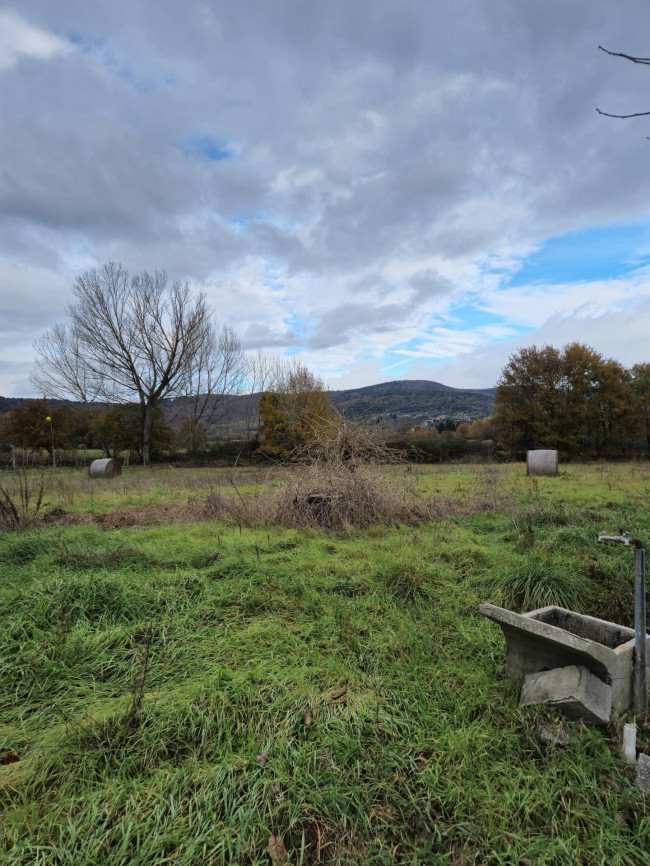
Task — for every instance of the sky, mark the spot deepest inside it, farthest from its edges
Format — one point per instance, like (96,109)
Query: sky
(391,190)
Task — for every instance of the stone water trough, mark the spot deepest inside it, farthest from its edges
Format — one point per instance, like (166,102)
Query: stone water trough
(552,638)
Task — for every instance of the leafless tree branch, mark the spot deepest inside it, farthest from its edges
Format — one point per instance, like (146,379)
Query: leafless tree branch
(624,116)
(643,60)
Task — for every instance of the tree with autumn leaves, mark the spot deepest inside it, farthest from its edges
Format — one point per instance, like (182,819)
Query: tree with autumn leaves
(572,399)
(36,424)
(294,410)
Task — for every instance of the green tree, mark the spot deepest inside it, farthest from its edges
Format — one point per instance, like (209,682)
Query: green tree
(26,426)
(119,429)
(528,400)
(481,429)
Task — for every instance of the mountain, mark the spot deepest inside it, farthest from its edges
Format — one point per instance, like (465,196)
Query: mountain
(7,403)
(413,401)
(406,402)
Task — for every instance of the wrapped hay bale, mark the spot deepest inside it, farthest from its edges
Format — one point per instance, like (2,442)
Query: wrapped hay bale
(542,462)
(105,468)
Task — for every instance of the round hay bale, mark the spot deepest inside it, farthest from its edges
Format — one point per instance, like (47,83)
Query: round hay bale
(105,468)
(542,462)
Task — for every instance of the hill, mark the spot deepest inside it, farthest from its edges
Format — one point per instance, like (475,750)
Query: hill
(413,401)
(399,404)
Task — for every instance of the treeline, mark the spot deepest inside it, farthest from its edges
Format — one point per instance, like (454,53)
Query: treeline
(573,400)
(61,430)
(450,441)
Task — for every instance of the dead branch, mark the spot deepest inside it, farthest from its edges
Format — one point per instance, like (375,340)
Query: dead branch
(623,116)
(642,60)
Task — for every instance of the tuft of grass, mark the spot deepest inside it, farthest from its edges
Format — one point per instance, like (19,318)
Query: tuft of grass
(20,549)
(540,584)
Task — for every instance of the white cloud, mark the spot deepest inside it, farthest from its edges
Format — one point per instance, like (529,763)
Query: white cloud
(532,305)
(388,165)
(619,334)
(20,39)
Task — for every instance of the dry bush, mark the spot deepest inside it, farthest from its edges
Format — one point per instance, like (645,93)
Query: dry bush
(338,481)
(20,500)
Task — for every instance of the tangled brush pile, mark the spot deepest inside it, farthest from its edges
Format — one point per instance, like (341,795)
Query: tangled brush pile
(338,480)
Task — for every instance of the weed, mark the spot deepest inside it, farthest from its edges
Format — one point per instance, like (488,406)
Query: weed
(142,645)
(21,499)
(343,480)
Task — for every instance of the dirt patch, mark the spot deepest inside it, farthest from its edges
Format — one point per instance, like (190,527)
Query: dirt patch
(136,518)
(62,517)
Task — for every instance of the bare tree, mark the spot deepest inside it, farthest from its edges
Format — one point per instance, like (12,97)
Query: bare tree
(216,371)
(61,370)
(130,339)
(262,371)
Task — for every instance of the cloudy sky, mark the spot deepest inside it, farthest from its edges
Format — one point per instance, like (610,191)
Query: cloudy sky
(391,188)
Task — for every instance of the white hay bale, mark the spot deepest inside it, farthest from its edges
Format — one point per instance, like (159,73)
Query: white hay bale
(105,468)
(542,462)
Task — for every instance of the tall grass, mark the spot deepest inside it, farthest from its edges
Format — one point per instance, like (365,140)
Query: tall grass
(539,584)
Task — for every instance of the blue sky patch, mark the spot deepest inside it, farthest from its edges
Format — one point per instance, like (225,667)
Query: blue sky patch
(593,254)
(208,149)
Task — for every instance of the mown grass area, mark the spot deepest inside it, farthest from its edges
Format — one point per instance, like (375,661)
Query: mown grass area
(181,693)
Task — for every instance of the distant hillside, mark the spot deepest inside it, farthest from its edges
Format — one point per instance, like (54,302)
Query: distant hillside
(414,400)
(399,404)
(7,403)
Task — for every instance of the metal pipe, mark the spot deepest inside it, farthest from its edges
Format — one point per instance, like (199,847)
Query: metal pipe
(640,683)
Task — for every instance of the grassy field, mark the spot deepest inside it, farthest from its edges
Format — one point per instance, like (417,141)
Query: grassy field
(177,693)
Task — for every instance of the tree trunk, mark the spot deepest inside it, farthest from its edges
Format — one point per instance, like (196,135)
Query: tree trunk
(147,419)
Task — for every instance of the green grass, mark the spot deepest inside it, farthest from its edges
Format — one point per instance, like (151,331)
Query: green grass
(74,490)
(340,692)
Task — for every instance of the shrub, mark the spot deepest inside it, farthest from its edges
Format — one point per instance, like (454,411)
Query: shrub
(336,484)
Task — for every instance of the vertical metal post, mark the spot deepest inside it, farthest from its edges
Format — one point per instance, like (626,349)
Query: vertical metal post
(640,684)
(639,681)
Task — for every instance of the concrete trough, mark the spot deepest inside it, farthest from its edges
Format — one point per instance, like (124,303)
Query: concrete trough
(553,637)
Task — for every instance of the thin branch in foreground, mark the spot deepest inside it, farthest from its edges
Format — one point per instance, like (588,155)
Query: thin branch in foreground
(642,60)
(624,116)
